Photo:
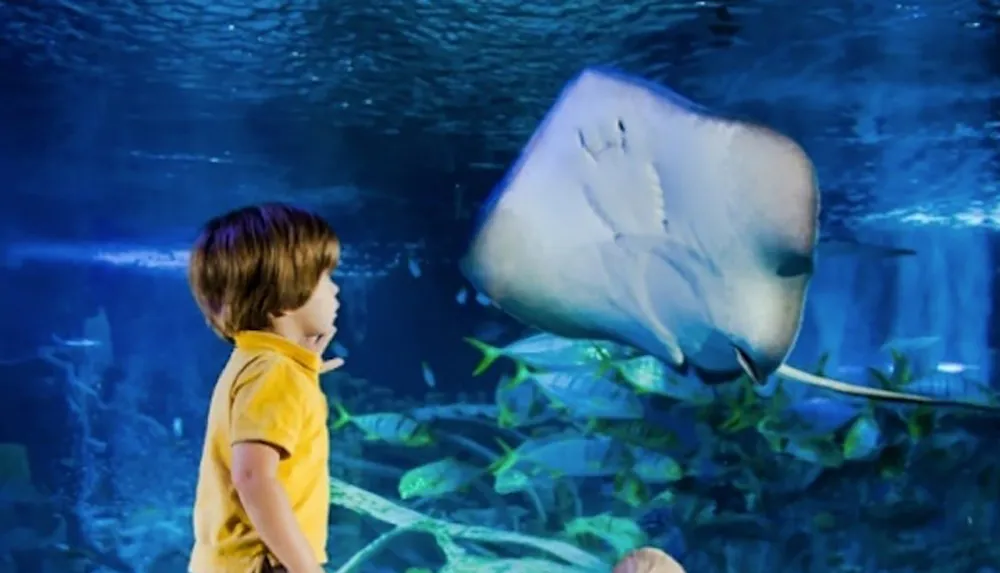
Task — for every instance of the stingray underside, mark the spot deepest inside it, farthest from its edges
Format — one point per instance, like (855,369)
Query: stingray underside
(637,216)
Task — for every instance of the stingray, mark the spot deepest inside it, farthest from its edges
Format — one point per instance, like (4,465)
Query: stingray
(637,216)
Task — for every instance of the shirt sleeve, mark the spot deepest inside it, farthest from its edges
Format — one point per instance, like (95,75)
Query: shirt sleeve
(267,406)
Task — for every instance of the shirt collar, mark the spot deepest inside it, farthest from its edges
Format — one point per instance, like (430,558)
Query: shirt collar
(260,340)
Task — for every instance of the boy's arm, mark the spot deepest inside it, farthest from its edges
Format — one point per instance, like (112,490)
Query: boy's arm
(255,467)
(265,422)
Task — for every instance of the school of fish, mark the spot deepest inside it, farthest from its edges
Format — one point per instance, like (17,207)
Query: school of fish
(590,435)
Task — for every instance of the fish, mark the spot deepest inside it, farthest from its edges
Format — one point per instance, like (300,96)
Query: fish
(654,467)
(586,395)
(648,374)
(463,296)
(566,456)
(570,457)
(637,216)
(438,478)
(520,405)
(414,267)
(548,352)
(428,375)
(389,427)
(863,439)
(514,481)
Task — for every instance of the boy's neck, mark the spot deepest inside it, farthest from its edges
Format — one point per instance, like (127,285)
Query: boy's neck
(289,332)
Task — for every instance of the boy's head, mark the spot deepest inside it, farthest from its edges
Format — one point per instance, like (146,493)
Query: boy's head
(265,266)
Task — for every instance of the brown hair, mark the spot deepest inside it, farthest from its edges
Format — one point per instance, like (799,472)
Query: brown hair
(254,263)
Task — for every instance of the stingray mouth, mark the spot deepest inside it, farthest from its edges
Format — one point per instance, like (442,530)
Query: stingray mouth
(748,366)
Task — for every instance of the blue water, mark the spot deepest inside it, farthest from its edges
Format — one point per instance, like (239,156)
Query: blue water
(126,126)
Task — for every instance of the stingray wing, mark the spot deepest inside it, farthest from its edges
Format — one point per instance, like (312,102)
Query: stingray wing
(633,214)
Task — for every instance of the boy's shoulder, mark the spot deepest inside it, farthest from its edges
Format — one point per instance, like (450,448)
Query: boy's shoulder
(249,365)
(268,373)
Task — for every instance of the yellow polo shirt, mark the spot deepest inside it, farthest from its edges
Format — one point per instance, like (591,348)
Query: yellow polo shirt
(268,392)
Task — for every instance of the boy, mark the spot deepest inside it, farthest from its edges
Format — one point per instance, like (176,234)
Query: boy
(261,276)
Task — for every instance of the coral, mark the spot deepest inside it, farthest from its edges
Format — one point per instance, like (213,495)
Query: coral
(448,533)
(370,549)
(132,487)
(84,363)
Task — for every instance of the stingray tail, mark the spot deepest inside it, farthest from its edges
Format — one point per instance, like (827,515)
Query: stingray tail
(796,375)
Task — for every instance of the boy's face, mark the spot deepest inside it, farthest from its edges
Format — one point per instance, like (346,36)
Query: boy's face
(315,319)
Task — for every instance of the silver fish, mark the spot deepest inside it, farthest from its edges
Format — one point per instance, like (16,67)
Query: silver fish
(585,394)
(568,456)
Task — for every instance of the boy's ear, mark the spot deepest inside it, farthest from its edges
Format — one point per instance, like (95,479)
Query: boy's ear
(274,318)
